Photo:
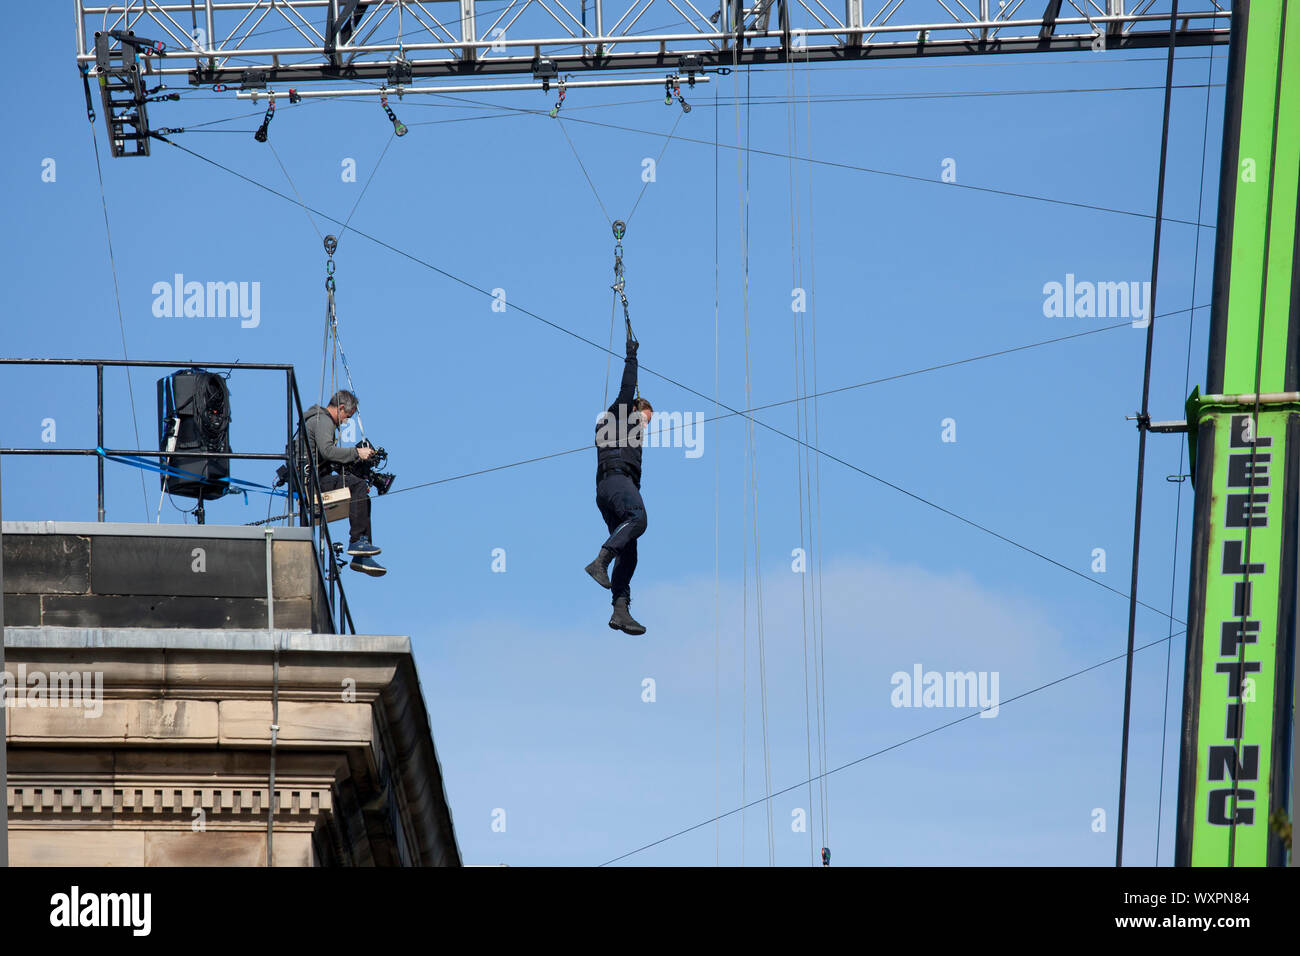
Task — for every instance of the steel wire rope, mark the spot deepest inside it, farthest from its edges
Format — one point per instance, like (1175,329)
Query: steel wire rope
(832,391)
(117,298)
(333,342)
(817,594)
(587,175)
(984,63)
(1143,423)
(646,182)
(1182,448)
(294,187)
(503,111)
(717,484)
(605,212)
(879,172)
(371,178)
(732,414)
(742,187)
(583,167)
(744,517)
(819,600)
(800,387)
(666,378)
(885,750)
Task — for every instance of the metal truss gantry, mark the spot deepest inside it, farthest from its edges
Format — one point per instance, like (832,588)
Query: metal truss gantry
(250,43)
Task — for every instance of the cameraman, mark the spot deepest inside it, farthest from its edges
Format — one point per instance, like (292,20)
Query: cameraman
(331,458)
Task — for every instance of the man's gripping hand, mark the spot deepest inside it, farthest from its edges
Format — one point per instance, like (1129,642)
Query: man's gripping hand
(632,346)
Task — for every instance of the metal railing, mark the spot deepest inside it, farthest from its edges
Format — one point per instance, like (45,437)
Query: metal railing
(309,511)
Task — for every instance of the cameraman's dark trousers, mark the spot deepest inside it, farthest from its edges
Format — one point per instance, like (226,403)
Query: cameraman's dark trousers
(621,506)
(359,511)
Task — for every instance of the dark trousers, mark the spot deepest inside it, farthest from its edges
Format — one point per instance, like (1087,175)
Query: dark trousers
(359,511)
(621,506)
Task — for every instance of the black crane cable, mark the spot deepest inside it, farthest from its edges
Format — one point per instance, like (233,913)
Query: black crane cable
(1178,502)
(521,111)
(774,154)
(885,750)
(1143,424)
(117,294)
(669,429)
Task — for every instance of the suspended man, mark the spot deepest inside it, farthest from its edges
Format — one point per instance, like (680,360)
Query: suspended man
(332,461)
(619,431)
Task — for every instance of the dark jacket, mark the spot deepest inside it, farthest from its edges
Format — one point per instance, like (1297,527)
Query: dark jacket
(620,431)
(320,435)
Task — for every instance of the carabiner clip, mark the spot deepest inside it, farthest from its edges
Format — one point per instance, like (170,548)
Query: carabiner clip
(555,110)
(398,126)
(260,135)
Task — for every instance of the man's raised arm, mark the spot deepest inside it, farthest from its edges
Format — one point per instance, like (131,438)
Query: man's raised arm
(627,389)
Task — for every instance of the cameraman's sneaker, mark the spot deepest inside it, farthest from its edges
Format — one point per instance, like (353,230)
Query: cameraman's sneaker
(362,548)
(368,565)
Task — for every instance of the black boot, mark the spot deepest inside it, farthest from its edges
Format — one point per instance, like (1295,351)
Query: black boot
(621,620)
(599,569)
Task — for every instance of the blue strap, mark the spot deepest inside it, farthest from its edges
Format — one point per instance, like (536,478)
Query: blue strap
(147,465)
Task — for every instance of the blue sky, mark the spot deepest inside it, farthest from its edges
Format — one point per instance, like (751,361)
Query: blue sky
(537,706)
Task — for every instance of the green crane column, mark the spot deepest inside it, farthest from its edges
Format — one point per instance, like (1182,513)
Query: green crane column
(1237,762)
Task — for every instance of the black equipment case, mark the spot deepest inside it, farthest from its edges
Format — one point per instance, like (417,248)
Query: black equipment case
(194,408)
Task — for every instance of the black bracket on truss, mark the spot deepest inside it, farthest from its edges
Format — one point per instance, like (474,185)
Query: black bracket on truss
(1050,14)
(738,22)
(544,69)
(399,73)
(122,90)
(340,31)
(139,44)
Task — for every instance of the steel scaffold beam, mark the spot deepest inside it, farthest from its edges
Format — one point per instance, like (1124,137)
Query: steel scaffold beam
(254,42)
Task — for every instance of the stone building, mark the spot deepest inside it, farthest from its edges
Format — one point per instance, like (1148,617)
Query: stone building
(146,665)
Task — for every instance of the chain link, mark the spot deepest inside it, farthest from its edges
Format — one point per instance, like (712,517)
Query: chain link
(555,110)
(260,135)
(331,245)
(619,286)
(673,87)
(398,126)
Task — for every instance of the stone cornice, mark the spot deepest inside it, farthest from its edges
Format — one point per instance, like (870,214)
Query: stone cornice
(197,698)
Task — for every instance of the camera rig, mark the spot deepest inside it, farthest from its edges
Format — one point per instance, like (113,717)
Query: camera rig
(367,470)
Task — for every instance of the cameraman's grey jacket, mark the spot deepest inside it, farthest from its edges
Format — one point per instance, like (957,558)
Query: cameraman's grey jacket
(320,433)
